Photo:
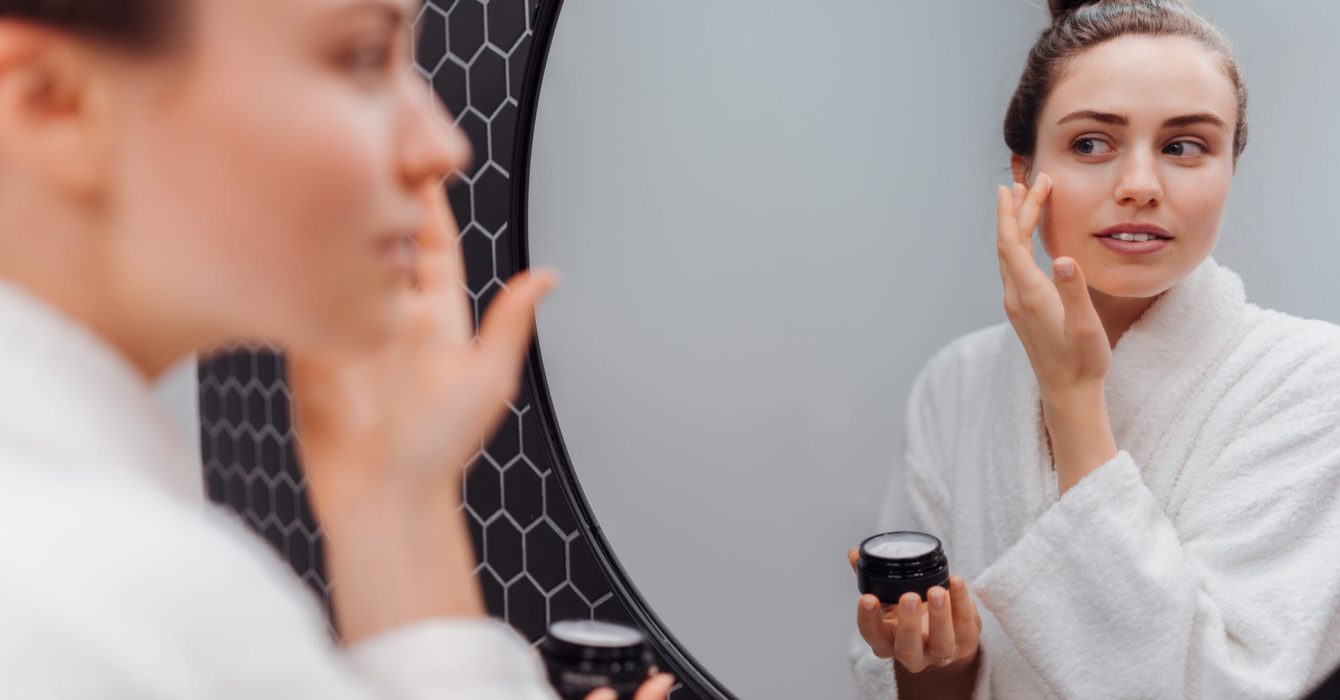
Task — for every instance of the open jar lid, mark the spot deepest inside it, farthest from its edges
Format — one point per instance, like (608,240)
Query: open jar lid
(594,640)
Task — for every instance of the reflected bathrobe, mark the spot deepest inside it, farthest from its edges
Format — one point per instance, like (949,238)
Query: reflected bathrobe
(1202,561)
(118,579)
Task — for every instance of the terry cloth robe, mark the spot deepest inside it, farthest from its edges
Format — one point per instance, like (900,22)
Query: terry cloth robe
(1202,561)
(118,579)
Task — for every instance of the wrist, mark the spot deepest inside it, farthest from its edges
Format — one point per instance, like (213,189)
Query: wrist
(1075,407)
(392,562)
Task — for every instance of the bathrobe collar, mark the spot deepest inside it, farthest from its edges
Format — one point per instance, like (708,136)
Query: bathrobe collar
(70,403)
(1156,366)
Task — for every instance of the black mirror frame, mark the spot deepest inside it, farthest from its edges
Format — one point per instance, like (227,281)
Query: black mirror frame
(686,669)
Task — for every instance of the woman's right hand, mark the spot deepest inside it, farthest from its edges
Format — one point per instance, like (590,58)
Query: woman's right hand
(913,632)
(407,416)
(658,688)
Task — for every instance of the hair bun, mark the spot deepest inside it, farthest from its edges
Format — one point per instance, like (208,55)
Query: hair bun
(1059,8)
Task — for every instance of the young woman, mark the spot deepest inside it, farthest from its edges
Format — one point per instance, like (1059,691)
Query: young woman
(180,174)
(1137,474)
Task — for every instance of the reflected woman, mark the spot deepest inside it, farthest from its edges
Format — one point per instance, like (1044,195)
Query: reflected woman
(1135,477)
(177,175)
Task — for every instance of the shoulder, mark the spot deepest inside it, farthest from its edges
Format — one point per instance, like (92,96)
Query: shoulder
(101,569)
(1285,358)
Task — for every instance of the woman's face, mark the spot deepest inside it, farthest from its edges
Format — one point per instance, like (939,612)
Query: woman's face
(265,175)
(1138,130)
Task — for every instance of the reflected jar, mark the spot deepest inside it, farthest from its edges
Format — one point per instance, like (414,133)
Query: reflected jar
(893,563)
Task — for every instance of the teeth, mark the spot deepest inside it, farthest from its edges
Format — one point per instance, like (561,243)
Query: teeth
(1134,236)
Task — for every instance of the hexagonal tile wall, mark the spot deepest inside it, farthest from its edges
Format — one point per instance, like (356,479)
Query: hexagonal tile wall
(536,565)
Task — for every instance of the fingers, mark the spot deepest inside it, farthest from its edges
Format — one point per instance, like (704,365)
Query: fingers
(941,642)
(853,556)
(658,688)
(908,647)
(505,332)
(1007,246)
(1020,276)
(874,630)
(440,264)
(603,694)
(1080,314)
(1031,208)
(967,623)
(440,273)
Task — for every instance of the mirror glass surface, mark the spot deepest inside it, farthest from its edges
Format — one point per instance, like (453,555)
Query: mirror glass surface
(767,217)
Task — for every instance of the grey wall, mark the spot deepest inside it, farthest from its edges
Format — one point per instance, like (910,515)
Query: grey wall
(176,389)
(768,216)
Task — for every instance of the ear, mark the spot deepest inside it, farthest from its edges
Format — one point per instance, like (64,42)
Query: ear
(1020,167)
(53,120)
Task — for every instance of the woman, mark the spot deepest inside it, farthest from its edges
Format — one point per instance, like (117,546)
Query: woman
(1136,474)
(176,175)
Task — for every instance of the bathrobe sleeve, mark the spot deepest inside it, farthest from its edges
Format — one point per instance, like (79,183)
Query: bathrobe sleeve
(117,594)
(1233,591)
(919,500)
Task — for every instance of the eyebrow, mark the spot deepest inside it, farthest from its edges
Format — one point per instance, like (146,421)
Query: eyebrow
(395,12)
(1121,120)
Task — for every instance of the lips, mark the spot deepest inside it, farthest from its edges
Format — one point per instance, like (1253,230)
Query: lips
(1134,228)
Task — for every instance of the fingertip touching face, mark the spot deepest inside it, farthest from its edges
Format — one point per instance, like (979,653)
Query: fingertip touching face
(269,176)
(1137,130)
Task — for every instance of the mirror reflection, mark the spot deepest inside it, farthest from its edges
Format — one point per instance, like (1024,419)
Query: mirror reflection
(797,311)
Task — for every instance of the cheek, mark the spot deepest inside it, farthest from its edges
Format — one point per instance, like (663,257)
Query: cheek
(282,199)
(1067,216)
(1201,200)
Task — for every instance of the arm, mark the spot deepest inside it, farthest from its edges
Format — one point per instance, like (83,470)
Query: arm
(1232,598)
(920,501)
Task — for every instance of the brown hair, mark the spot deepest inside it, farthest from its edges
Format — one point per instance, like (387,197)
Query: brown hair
(133,24)
(1078,25)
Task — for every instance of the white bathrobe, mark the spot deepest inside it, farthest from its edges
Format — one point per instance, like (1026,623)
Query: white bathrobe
(1203,561)
(118,580)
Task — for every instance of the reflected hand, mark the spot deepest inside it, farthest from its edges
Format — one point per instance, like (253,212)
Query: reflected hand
(1055,318)
(657,688)
(912,632)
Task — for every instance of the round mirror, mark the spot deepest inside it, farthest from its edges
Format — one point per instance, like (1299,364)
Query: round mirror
(767,217)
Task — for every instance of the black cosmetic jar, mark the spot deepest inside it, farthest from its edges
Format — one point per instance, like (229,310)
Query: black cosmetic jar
(583,655)
(894,563)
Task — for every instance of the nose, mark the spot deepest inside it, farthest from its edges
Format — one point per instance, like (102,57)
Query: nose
(429,146)
(1138,181)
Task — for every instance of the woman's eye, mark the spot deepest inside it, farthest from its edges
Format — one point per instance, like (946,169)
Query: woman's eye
(1186,149)
(370,58)
(1090,146)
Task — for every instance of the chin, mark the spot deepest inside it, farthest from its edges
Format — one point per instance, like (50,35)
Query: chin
(1130,281)
(350,332)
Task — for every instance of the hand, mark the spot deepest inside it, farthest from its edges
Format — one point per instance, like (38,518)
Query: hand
(404,420)
(1055,318)
(657,688)
(911,637)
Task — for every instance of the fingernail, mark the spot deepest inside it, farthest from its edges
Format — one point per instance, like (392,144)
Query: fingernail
(1066,268)
(957,583)
(910,605)
(867,605)
(937,599)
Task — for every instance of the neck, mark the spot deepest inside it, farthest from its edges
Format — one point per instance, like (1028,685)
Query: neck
(73,275)
(1119,313)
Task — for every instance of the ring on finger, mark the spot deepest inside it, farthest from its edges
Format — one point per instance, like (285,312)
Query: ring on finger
(940,660)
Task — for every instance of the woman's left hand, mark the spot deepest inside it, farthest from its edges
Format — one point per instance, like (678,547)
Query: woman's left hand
(1055,318)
